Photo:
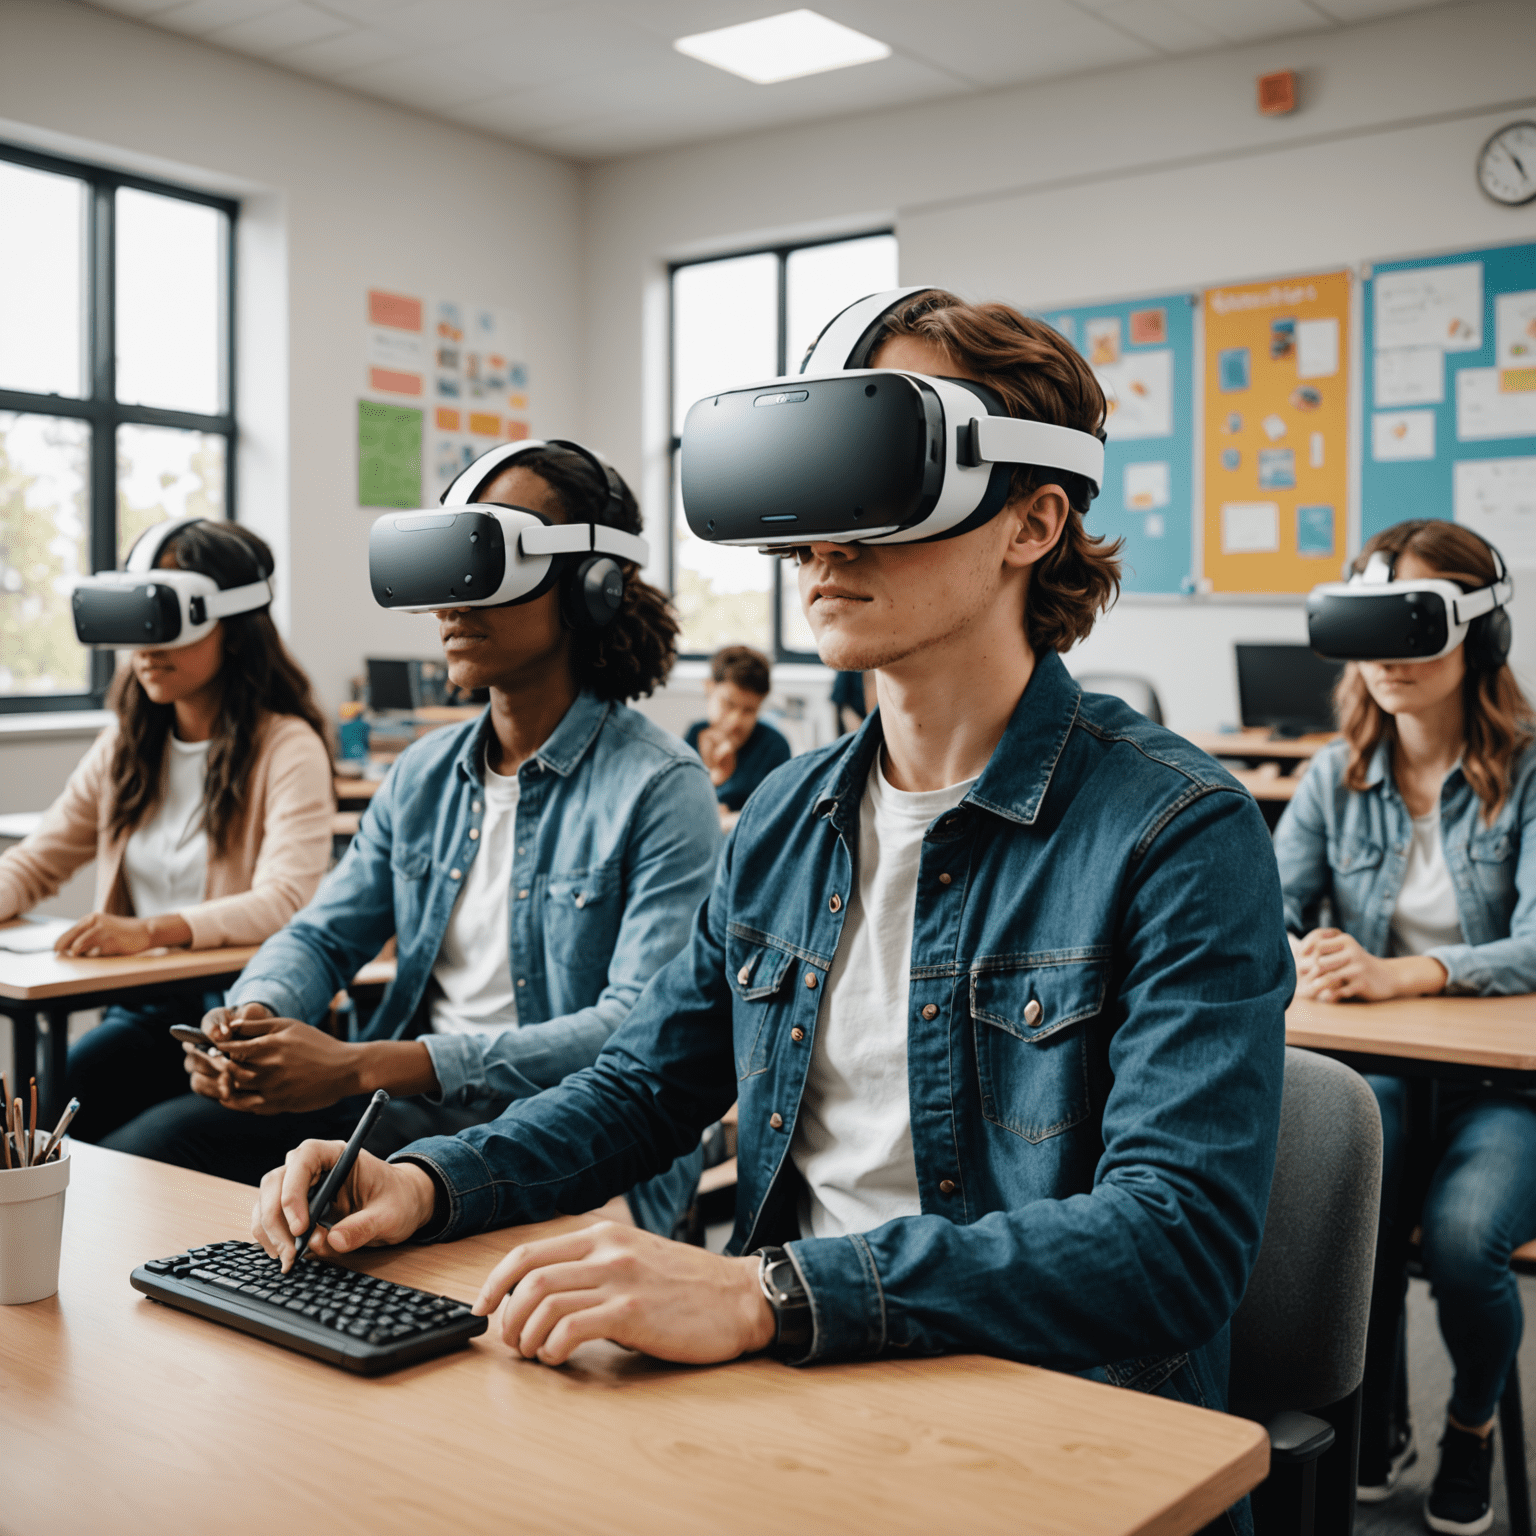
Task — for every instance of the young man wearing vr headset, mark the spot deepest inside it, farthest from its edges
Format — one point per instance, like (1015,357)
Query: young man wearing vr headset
(998,982)
(536,865)
(1418,830)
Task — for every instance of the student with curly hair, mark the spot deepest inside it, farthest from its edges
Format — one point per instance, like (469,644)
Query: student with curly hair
(536,867)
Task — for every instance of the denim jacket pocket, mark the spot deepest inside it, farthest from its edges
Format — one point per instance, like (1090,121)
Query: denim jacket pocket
(582,914)
(411,868)
(757,972)
(1355,856)
(1031,1046)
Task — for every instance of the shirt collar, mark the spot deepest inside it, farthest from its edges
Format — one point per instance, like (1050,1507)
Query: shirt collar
(567,743)
(1017,774)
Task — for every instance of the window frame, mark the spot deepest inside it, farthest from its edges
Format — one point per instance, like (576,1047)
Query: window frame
(783,250)
(99,406)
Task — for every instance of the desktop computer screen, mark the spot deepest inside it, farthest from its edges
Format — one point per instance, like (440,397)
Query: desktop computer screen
(1286,688)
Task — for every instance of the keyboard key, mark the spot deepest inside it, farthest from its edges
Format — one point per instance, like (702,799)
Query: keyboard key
(159,1266)
(328,1315)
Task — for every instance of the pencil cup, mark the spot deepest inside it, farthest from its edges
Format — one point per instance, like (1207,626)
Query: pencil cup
(32,1226)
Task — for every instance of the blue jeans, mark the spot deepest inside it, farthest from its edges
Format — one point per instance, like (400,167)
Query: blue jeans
(1479,1205)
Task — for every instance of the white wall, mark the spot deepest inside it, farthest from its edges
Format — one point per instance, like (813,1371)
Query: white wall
(340,194)
(1133,180)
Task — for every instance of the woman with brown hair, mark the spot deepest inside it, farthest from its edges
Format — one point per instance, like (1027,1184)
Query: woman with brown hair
(1419,830)
(207,807)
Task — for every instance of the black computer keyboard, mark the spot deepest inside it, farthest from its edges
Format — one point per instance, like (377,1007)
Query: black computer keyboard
(359,1322)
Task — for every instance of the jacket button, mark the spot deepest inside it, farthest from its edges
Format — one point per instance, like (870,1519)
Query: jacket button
(476,807)
(810,980)
(522,895)
(1032,1012)
(744,975)
(836,903)
(453,874)
(474,834)
(776,1120)
(930,1011)
(946,1187)
(945,878)
(797,1034)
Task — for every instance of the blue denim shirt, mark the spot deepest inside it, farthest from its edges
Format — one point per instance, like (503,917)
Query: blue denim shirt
(1093,1173)
(1353,848)
(617,839)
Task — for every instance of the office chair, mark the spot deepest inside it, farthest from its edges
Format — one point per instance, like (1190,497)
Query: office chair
(1298,1339)
(1135,691)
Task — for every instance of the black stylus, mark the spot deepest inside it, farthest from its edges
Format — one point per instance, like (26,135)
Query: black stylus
(320,1206)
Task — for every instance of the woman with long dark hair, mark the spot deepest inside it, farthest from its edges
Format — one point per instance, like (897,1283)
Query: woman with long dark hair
(207,807)
(1418,829)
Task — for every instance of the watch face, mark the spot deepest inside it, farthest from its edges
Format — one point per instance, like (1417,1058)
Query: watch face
(1506,166)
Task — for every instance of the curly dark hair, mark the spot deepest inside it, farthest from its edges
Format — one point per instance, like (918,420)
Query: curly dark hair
(632,656)
(258,675)
(1041,376)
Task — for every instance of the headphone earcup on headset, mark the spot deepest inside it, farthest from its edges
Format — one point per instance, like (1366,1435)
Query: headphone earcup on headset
(1488,641)
(591,596)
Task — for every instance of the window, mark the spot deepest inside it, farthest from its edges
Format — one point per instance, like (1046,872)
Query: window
(116,396)
(737,319)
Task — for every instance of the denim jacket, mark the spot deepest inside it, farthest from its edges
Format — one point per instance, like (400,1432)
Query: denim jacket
(1353,848)
(1095,1054)
(617,839)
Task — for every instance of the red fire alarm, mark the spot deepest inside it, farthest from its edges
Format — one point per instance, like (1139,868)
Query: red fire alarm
(1277,93)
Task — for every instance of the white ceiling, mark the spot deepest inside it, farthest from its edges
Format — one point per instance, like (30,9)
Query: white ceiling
(598,79)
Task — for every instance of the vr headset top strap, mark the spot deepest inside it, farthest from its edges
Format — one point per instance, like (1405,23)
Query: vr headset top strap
(223,602)
(848,337)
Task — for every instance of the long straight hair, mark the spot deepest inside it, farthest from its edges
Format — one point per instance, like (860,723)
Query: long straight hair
(1498,719)
(257,676)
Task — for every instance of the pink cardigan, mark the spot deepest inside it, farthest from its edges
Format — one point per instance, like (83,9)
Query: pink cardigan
(275,856)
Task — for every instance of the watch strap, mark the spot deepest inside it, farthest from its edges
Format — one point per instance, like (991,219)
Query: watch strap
(779,1279)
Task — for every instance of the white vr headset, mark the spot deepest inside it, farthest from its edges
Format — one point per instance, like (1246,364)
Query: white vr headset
(475,554)
(854,454)
(1373,617)
(143,608)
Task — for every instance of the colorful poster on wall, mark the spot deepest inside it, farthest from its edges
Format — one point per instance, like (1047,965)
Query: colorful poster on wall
(1143,354)
(465,362)
(1450,393)
(1276,432)
(388,455)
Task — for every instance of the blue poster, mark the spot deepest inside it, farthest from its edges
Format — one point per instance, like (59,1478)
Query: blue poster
(1142,352)
(1446,382)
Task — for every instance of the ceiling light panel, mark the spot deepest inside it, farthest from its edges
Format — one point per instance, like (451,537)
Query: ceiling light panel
(783,47)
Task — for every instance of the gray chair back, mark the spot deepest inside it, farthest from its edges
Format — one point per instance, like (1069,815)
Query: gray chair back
(1298,1339)
(1135,691)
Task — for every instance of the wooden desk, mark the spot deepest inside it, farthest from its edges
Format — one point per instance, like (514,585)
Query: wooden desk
(125,1416)
(1259,745)
(1266,783)
(355,790)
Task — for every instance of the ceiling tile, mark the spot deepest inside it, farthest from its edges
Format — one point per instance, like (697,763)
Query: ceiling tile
(431,85)
(1157,23)
(139,8)
(291,27)
(1372,10)
(351,50)
(201,17)
(1252,21)
(362,10)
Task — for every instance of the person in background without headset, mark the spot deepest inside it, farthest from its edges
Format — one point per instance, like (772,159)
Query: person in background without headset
(1420,828)
(207,807)
(739,750)
(999,981)
(853,696)
(537,865)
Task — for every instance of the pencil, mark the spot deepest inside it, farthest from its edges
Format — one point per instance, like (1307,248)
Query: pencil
(32,1124)
(16,1124)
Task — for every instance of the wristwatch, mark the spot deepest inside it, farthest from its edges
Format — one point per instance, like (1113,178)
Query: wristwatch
(781,1284)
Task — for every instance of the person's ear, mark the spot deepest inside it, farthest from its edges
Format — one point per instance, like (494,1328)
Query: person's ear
(1037,522)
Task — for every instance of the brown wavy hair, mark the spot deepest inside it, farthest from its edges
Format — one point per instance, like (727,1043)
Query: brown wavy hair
(632,656)
(257,676)
(1499,720)
(1041,376)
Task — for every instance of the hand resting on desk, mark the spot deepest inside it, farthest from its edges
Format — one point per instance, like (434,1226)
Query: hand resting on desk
(106,933)
(1331,966)
(606,1281)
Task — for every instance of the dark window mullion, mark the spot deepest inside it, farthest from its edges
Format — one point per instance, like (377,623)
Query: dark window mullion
(101,327)
(227,317)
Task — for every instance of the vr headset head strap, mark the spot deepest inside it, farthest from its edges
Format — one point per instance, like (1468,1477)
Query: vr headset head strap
(849,336)
(464,488)
(147,547)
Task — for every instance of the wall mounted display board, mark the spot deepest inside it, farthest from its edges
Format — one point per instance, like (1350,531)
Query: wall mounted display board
(1276,432)
(388,455)
(1450,395)
(1143,353)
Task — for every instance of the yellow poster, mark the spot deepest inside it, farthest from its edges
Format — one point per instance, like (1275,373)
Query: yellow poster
(1276,428)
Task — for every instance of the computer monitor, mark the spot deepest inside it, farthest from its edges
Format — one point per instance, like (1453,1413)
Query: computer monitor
(1287,689)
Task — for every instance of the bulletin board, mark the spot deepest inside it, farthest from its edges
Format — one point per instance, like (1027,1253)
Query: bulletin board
(1450,395)
(1276,418)
(1143,353)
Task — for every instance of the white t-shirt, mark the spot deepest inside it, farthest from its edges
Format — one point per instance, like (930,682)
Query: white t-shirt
(853,1140)
(165,861)
(474,965)
(1426,916)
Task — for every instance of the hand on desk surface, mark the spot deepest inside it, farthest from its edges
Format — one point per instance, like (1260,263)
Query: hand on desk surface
(380,1203)
(607,1281)
(105,933)
(1331,967)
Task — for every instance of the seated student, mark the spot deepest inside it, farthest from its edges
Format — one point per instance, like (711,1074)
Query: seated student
(853,696)
(207,807)
(739,750)
(999,983)
(1420,829)
(536,866)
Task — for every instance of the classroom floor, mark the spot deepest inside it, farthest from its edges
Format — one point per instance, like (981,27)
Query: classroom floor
(1429,1387)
